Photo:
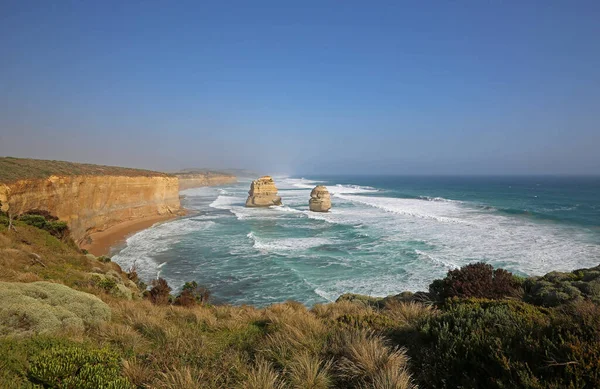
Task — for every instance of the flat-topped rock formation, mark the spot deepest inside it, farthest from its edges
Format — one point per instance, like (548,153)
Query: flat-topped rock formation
(263,193)
(320,200)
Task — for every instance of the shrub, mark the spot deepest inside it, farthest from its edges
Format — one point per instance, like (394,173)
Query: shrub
(478,280)
(44,307)
(44,221)
(160,292)
(108,284)
(506,344)
(133,275)
(103,259)
(557,288)
(77,367)
(192,294)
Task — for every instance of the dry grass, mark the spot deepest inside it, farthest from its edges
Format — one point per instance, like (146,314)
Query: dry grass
(342,308)
(292,329)
(138,373)
(366,358)
(123,337)
(183,378)
(408,313)
(308,371)
(263,376)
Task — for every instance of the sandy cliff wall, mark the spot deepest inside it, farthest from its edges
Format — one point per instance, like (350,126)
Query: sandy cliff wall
(187,181)
(94,203)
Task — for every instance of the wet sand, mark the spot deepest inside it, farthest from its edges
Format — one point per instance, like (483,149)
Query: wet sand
(103,241)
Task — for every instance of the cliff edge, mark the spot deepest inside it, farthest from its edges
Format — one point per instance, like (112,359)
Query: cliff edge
(90,198)
(196,179)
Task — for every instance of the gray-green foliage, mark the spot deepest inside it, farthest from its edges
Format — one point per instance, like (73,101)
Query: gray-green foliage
(112,283)
(558,288)
(69,367)
(44,307)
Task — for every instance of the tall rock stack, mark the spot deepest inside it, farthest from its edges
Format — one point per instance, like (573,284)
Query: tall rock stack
(320,200)
(263,193)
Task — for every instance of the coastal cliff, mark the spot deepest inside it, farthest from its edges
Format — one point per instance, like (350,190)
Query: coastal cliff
(93,203)
(93,198)
(89,198)
(196,180)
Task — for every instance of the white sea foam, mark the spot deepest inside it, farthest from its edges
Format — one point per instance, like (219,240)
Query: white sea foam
(301,183)
(287,244)
(411,207)
(144,245)
(350,189)
(225,202)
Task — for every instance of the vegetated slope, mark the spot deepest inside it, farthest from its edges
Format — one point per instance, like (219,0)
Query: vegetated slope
(13,169)
(477,328)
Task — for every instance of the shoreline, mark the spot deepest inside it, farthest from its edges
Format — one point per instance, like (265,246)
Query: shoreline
(103,241)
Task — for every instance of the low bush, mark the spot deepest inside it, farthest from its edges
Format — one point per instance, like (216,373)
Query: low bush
(77,367)
(558,288)
(478,280)
(160,292)
(192,294)
(506,344)
(46,222)
(44,307)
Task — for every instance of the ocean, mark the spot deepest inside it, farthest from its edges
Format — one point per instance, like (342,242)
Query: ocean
(384,235)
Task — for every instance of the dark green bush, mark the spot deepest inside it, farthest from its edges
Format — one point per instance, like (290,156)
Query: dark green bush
(506,344)
(478,280)
(76,367)
(104,259)
(192,294)
(56,228)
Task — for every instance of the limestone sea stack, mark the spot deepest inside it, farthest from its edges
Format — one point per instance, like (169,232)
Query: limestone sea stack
(320,200)
(263,193)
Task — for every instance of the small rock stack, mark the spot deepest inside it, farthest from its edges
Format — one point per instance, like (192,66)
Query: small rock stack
(263,193)
(320,200)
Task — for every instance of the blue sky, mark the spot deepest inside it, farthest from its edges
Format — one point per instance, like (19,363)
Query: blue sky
(430,87)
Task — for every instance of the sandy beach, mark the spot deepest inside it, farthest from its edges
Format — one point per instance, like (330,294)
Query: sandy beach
(102,241)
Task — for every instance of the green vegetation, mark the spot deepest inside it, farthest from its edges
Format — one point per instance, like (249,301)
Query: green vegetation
(76,366)
(477,328)
(192,294)
(43,220)
(476,280)
(14,169)
(44,307)
(557,288)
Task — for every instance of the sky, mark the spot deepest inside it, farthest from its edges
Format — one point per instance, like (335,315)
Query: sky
(307,87)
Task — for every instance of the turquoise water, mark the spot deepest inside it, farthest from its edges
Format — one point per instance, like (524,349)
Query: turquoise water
(384,235)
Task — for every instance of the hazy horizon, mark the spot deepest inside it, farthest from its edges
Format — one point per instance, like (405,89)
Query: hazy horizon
(313,89)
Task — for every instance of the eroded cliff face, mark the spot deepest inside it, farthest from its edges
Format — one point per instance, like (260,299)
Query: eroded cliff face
(187,181)
(93,203)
